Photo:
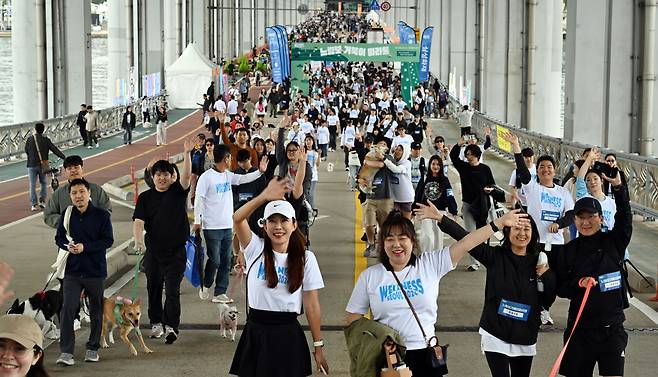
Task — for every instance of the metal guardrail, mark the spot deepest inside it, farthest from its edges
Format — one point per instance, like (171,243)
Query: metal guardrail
(641,171)
(64,132)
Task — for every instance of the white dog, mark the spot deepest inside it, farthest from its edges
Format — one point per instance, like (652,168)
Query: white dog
(228,320)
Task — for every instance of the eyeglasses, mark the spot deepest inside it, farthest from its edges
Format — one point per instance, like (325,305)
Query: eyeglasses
(292,150)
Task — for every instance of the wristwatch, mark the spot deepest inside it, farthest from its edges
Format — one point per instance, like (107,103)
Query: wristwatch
(319,343)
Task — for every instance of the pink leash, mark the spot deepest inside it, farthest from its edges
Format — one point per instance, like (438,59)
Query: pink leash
(556,366)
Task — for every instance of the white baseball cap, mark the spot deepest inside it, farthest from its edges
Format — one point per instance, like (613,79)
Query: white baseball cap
(280,207)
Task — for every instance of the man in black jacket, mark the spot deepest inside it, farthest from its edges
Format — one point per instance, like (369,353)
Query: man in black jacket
(88,237)
(128,123)
(37,148)
(82,123)
(595,259)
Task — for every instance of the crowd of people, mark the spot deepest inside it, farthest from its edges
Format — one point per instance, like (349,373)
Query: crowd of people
(252,189)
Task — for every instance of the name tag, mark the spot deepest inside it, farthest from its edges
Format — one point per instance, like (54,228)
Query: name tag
(377,181)
(245,196)
(415,178)
(514,310)
(610,282)
(549,215)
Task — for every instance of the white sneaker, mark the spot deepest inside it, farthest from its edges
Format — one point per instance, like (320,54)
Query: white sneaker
(171,335)
(65,359)
(89,147)
(204,293)
(156,331)
(222,299)
(96,145)
(76,325)
(546,318)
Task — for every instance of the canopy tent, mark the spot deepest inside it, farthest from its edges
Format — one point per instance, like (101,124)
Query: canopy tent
(188,78)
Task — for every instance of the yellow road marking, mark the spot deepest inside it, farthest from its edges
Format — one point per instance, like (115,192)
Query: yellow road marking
(360,262)
(196,130)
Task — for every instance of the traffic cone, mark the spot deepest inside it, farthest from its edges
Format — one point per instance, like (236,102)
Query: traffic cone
(655,298)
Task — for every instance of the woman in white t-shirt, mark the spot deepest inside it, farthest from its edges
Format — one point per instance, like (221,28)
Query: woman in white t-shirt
(590,183)
(378,290)
(281,276)
(313,158)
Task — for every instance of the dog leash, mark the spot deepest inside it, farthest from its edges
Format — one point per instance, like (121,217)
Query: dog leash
(556,366)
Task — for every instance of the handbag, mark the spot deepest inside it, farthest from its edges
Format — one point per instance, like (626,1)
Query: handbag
(44,165)
(59,266)
(194,253)
(436,357)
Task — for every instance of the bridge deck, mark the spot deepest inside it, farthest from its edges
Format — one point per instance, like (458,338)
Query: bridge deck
(201,350)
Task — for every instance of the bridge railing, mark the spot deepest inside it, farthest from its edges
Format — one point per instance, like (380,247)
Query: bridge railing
(641,171)
(64,132)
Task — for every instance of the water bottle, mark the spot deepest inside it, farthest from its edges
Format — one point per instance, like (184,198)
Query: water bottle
(543,259)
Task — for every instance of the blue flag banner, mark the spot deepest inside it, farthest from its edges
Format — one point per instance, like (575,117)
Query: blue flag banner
(275,54)
(285,50)
(425,49)
(407,33)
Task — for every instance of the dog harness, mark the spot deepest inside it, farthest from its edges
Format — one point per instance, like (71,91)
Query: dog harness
(117,311)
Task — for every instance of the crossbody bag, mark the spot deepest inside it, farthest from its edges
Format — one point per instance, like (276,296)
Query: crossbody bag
(436,356)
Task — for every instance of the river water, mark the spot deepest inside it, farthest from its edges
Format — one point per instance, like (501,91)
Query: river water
(98,77)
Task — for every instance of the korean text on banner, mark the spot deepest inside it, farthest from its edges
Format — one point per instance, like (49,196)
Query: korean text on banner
(275,54)
(425,48)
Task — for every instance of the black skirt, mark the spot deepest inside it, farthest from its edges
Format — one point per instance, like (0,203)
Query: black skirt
(272,344)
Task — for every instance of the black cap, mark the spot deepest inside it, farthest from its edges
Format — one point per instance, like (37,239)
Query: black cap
(588,204)
(369,139)
(415,145)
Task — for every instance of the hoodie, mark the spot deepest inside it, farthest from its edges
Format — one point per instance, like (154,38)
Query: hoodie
(402,190)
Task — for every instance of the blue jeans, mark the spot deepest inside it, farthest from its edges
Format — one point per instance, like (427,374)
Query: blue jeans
(33,174)
(218,266)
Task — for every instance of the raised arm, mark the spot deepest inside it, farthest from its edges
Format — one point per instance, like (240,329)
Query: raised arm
(521,170)
(275,190)
(188,145)
(623,228)
(473,239)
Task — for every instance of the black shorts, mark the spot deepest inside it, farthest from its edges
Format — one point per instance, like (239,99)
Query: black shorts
(603,345)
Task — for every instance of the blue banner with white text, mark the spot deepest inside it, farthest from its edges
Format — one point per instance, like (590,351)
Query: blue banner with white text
(285,50)
(425,50)
(275,54)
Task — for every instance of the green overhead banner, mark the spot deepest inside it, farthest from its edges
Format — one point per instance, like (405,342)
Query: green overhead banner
(355,52)
(363,52)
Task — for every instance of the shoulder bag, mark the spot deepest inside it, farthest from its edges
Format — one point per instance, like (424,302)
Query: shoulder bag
(44,165)
(59,267)
(436,357)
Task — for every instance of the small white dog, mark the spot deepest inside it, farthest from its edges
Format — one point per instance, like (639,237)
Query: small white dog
(228,320)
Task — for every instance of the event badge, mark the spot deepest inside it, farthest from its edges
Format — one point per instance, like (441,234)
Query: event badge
(549,215)
(610,282)
(245,196)
(514,310)
(377,181)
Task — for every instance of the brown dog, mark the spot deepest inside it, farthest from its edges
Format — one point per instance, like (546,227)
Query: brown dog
(126,320)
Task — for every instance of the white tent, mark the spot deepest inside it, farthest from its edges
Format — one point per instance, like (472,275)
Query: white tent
(188,78)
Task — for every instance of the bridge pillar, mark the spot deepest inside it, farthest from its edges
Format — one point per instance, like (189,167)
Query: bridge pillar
(117,66)
(545,70)
(171,51)
(599,75)
(23,40)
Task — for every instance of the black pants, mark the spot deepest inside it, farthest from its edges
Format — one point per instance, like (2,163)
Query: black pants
(272,107)
(83,134)
(169,272)
(70,307)
(128,135)
(146,117)
(332,137)
(505,366)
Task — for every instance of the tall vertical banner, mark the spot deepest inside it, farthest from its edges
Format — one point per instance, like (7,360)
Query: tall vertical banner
(409,71)
(275,54)
(425,49)
(285,50)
